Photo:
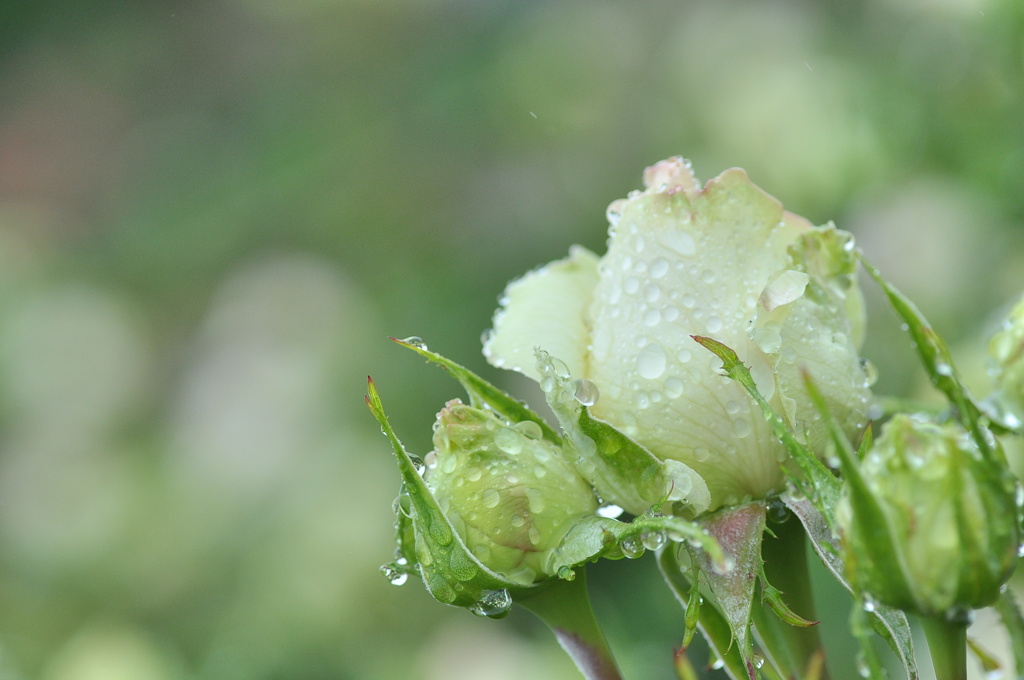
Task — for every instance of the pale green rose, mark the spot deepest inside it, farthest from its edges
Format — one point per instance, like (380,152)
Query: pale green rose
(726,261)
(1007,349)
(929,525)
(511,495)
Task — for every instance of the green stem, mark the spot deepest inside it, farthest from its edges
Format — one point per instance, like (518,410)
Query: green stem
(786,568)
(565,607)
(947,642)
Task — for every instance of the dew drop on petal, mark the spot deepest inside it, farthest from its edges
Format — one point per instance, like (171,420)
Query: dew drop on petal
(714,324)
(509,441)
(651,361)
(673,388)
(529,429)
(490,498)
(659,267)
(652,317)
(679,241)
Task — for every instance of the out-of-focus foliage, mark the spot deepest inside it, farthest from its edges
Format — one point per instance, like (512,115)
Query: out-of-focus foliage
(212,214)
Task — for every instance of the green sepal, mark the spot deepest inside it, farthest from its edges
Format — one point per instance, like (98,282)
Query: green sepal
(593,537)
(482,393)
(817,482)
(622,470)
(938,363)
(813,500)
(739,530)
(451,573)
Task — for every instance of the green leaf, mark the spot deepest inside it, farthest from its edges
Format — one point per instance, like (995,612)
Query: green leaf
(482,393)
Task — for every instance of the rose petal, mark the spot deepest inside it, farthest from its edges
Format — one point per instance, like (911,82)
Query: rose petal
(546,308)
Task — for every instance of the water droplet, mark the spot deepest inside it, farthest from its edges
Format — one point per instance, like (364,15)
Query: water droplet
(518,521)
(395,576)
(869,605)
(415,341)
(642,399)
(741,427)
(653,540)
(659,267)
(757,659)
(725,567)
(700,454)
(490,498)
(534,534)
(679,241)
(673,388)
(688,300)
(651,361)
(473,473)
(707,276)
(417,463)
(714,324)
(652,317)
(610,511)
(535,500)
(566,573)
(944,369)
(493,604)
(530,429)
(670,314)
(631,285)
(585,392)
(718,664)
(778,512)
(403,503)
(651,292)
(509,441)
(631,547)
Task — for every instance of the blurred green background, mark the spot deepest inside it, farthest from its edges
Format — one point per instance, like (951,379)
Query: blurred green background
(213,213)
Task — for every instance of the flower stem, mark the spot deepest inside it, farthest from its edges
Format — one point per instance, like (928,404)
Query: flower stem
(947,642)
(565,607)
